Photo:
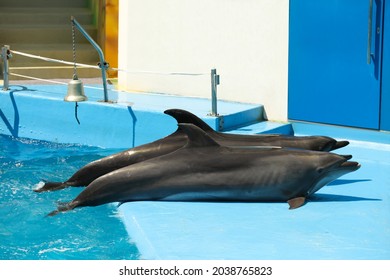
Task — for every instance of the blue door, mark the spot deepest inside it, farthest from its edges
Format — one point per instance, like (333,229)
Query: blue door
(335,62)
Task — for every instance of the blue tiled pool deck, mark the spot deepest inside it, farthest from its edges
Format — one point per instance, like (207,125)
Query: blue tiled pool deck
(348,219)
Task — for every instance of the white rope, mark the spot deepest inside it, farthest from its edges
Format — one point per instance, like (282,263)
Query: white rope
(158,73)
(54,82)
(41,67)
(54,60)
(110,68)
(38,79)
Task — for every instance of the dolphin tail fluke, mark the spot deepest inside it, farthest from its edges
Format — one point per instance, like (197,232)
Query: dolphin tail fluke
(50,186)
(340,144)
(296,202)
(63,207)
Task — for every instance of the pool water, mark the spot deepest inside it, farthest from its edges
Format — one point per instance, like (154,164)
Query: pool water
(26,232)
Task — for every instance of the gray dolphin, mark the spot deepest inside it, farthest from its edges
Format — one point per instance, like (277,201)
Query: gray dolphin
(178,139)
(97,168)
(203,170)
(315,143)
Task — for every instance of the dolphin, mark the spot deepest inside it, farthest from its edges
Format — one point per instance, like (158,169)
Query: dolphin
(204,170)
(97,168)
(178,139)
(315,143)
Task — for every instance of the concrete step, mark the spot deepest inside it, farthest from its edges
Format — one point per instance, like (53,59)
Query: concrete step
(85,53)
(43,28)
(242,118)
(44,3)
(264,127)
(54,72)
(49,16)
(38,34)
(228,121)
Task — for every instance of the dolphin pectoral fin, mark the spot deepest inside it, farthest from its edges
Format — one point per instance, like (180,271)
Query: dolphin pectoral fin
(296,202)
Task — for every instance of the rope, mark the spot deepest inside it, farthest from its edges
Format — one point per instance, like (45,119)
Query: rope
(159,73)
(38,79)
(54,60)
(54,82)
(48,59)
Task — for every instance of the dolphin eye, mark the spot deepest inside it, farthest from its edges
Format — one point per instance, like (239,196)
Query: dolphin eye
(320,170)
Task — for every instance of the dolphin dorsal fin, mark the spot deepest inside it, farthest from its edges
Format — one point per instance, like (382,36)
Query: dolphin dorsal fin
(196,136)
(183,116)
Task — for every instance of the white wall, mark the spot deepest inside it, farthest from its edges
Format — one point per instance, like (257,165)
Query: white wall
(245,40)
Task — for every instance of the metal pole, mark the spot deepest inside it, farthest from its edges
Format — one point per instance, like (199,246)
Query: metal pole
(103,64)
(214,84)
(5,55)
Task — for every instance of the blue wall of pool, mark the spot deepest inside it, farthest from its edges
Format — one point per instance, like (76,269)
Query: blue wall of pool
(39,112)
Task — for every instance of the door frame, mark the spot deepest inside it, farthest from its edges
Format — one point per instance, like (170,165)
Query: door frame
(385,79)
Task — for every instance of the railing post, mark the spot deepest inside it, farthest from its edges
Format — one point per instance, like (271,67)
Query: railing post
(214,84)
(5,55)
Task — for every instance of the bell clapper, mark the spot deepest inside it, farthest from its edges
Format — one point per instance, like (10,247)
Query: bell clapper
(75,112)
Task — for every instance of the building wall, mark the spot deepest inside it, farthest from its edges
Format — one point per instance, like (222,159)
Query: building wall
(111,35)
(246,41)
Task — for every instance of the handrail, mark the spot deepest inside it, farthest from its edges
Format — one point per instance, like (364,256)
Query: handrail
(103,64)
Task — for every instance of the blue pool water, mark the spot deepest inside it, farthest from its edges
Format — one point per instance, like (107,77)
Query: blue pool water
(25,232)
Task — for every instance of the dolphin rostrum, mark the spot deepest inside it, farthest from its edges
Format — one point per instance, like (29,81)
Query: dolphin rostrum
(204,170)
(176,140)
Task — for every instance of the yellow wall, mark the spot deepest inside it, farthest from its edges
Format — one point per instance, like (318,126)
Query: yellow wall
(111,35)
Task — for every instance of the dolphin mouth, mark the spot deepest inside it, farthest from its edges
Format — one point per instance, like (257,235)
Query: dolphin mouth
(340,144)
(353,165)
(333,172)
(347,157)
(333,145)
(328,146)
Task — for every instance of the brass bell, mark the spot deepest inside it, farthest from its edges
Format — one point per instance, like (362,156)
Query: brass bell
(75,91)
